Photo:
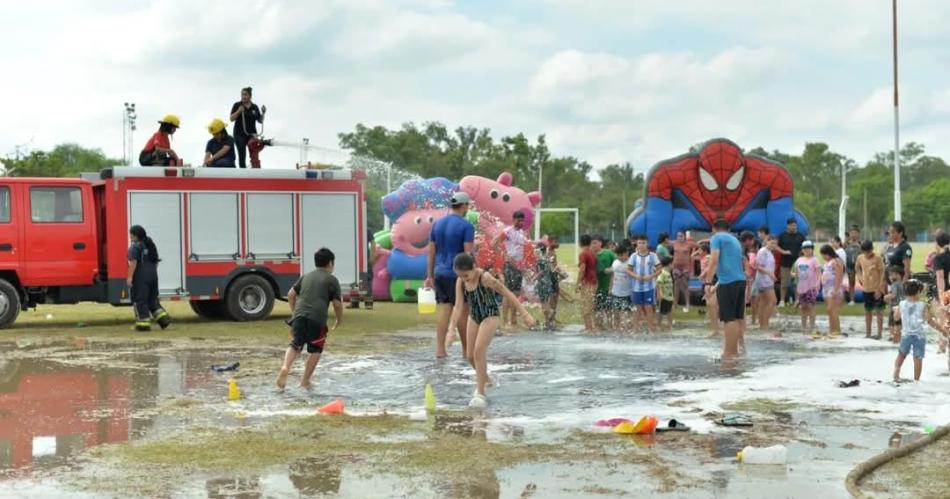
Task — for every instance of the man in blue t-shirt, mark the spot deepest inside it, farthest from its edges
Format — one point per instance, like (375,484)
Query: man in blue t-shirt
(726,263)
(450,235)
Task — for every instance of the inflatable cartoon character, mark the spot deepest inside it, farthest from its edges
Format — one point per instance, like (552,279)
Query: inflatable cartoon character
(690,192)
(412,209)
(498,200)
(410,233)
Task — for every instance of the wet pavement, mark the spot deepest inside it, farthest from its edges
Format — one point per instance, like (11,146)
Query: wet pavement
(59,399)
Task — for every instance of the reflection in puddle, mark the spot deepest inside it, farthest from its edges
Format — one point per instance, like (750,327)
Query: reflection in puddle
(51,411)
(316,476)
(48,414)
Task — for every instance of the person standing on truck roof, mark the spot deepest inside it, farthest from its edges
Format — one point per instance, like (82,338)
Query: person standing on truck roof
(309,300)
(158,150)
(143,281)
(245,115)
(219,153)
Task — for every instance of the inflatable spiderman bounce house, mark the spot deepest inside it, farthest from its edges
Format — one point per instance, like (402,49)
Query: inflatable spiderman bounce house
(691,191)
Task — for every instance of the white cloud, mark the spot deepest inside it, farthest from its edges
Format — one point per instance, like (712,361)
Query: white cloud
(606,81)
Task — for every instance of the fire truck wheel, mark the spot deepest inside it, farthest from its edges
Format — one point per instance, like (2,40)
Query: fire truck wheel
(9,304)
(249,298)
(209,309)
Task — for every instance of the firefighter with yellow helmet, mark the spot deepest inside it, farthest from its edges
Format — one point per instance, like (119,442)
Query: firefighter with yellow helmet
(219,153)
(158,150)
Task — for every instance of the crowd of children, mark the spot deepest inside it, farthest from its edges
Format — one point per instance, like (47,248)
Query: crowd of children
(626,286)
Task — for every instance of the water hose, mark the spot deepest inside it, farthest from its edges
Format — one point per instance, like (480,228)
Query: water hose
(867,467)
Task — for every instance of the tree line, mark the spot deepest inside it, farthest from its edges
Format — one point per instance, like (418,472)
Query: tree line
(433,150)
(605,196)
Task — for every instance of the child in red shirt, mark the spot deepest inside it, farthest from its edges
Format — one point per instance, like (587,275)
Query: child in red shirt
(587,282)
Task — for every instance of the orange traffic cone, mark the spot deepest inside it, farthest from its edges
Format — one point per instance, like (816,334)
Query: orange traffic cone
(335,407)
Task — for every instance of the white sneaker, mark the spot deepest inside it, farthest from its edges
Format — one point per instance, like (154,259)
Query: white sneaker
(685,310)
(478,401)
(781,305)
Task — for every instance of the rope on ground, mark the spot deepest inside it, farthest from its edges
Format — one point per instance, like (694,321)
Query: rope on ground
(867,467)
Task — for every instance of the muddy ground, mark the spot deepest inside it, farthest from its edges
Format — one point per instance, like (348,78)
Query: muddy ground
(89,409)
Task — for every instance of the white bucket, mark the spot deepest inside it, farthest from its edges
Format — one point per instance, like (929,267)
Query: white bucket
(427,303)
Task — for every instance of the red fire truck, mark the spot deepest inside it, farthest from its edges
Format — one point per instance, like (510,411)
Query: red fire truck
(230,241)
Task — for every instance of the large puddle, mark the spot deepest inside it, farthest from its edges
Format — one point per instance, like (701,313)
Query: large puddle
(59,399)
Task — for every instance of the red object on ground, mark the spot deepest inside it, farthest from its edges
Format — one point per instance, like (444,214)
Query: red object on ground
(335,407)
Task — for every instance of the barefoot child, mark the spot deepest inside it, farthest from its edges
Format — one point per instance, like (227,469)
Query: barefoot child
(664,293)
(643,268)
(913,313)
(309,300)
(764,282)
(620,305)
(587,282)
(895,293)
(869,269)
(806,271)
(477,288)
(750,249)
(709,291)
(832,278)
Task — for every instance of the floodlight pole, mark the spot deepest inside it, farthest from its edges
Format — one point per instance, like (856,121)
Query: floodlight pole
(843,208)
(897,155)
(125,140)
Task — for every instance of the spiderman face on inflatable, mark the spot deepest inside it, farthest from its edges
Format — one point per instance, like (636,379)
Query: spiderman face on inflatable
(721,171)
(692,191)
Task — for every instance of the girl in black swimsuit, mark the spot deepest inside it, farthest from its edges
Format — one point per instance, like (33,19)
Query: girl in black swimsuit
(477,288)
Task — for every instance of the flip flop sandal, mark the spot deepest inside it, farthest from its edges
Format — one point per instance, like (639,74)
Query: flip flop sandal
(735,420)
(673,425)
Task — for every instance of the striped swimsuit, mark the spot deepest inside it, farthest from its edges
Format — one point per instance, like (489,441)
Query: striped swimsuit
(481,301)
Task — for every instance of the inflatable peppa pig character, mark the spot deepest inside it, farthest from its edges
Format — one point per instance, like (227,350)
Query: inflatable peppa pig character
(413,208)
(498,200)
(410,232)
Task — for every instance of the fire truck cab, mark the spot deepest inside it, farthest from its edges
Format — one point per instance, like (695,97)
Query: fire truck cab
(230,241)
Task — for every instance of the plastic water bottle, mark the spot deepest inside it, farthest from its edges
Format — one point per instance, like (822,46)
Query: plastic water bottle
(776,454)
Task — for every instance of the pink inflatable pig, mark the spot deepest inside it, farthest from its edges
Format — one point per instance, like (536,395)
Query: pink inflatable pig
(410,232)
(498,200)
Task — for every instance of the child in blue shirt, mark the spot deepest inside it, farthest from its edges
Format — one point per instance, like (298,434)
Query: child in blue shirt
(913,314)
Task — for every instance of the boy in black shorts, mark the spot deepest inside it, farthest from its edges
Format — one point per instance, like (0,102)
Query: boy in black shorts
(869,269)
(309,300)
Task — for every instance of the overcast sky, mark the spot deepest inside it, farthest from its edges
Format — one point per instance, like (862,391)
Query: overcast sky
(606,81)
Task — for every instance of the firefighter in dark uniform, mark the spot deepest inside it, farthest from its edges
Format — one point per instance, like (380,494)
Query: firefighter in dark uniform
(143,281)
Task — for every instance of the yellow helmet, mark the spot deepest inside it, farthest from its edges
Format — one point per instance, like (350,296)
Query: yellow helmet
(171,119)
(216,126)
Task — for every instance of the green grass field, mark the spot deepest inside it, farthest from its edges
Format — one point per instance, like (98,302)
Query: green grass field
(88,319)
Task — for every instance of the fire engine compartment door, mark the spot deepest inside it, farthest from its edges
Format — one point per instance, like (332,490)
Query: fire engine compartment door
(329,220)
(270,226)
(214,226)
(160,214)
